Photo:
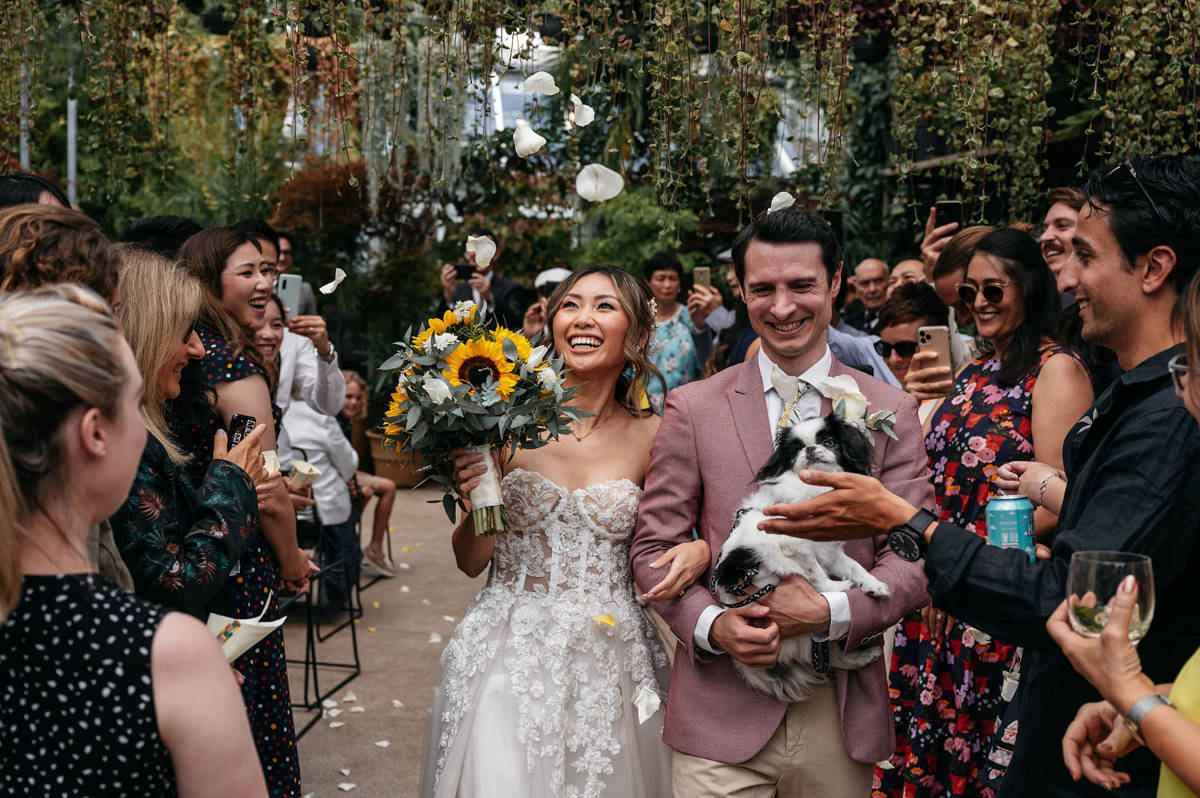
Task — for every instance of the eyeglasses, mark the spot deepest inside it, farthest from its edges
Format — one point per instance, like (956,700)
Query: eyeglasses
(1178,368)
(903,348)
(993,292)
(1127,166)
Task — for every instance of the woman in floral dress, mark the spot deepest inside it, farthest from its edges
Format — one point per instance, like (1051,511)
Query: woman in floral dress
(1016,403)
(682,342)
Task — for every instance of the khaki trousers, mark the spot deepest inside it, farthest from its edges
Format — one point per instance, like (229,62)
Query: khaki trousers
(805,758)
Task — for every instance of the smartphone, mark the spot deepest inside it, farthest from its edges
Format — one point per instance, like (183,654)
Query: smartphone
(702,275)
(948,211)
(465,271)
(239,427)
(288,290)
(935,339)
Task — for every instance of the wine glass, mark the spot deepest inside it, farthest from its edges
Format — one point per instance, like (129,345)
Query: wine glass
(1092,584)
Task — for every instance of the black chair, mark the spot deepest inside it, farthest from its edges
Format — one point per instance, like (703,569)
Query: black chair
(313,694)
(359,504)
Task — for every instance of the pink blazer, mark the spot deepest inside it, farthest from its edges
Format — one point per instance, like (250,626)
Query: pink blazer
(713,439)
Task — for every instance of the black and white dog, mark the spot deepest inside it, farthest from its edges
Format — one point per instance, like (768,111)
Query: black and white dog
(752,561)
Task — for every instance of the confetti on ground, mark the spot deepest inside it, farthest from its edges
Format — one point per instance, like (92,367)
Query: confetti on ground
(350,697)
(346,786)
(333,713)
(404,588)
(448,618)
(397,703)
(337,724)
(426,601)
(606,620)
(370,628)
(435,638)
(309,795)
(356,621)
(375,604)
(329,703)
(358,709)
(419,545)
(345,771)
(403,565)
(382,743)
(406,549)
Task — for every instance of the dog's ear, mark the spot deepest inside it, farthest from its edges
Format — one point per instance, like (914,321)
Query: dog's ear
(735,565)
(857,447)
(787,449)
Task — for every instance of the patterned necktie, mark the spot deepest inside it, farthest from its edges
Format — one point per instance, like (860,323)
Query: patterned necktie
(790,389)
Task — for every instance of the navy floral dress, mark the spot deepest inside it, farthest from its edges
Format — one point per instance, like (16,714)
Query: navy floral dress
(946,691)
(264,667)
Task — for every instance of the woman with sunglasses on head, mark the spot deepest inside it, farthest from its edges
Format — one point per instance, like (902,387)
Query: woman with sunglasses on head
(101,692)
(1015,402)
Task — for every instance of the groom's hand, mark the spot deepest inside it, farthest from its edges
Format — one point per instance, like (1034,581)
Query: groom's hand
(747,635)
(857,507)
(796,608)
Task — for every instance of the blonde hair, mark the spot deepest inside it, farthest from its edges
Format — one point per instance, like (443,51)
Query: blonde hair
(356,378)
(58,351)
(160,303)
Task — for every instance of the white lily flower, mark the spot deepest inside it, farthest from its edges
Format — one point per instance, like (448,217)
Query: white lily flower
(484,249)
(540,83)
(437,388)
(462,310)
(582,114)
(780,201)
(535,356)
(547,379)
(526,139)
(597,183)
(338,276)
(844,389)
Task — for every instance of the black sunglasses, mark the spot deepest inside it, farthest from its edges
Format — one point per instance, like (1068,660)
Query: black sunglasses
(992,292)
(1178,368)
(1126,166)
(903,348)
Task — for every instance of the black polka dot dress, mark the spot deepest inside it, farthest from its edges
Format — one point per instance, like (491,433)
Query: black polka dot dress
(77,711)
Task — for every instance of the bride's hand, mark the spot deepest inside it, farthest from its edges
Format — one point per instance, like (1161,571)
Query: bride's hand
(688,562)
(468,466)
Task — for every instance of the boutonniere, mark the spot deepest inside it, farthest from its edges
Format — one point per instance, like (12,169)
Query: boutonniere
(850,405)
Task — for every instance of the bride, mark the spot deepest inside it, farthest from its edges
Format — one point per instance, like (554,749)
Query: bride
(540,678)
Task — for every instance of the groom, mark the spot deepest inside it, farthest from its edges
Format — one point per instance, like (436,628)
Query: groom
(715,435)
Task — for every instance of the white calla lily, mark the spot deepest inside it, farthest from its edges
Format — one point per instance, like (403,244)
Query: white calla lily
(526,139)
(582,114)
(597,183)
(330,287)
(535,356)
(484,249)
(780,201)
(437,388)
(540,83)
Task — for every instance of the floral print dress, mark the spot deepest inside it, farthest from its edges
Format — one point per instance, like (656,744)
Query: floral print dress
(946,691)
(674,353)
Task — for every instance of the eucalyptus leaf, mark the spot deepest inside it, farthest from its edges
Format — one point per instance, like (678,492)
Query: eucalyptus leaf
(449,506)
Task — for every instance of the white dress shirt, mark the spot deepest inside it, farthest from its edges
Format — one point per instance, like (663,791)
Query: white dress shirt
(808,405)
(321,439)
(304,376)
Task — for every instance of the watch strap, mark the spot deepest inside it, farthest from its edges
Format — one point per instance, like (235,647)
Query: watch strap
(1139,710)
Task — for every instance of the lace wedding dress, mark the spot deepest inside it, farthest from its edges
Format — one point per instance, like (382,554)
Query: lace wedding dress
(537,691)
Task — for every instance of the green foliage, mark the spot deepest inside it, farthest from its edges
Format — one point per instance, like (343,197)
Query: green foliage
(634,226)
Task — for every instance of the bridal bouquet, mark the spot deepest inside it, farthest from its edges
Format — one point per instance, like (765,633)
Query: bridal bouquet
(461,385)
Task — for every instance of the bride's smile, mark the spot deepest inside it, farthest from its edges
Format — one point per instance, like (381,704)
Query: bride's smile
(590,326)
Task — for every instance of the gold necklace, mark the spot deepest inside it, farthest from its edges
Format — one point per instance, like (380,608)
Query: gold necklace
(595,427)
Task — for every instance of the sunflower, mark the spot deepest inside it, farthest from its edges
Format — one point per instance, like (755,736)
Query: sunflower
(395,410)
(522,343)
(473,362)
(435,327)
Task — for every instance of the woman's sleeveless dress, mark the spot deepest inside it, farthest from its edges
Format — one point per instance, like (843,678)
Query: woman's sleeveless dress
(540,678)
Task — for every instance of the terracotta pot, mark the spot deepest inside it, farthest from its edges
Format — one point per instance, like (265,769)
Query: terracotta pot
(393,464)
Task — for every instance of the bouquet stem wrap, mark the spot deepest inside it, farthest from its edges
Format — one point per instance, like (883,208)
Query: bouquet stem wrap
(487,507)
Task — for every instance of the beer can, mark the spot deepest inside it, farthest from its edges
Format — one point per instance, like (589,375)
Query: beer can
(1010,523)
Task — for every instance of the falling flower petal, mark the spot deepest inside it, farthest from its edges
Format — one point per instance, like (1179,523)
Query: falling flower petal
(435,638)
(606,620)
(358,709)
(344,771)
(346,786)
(333,713)
(397,703)
(647,703)
(404,565)
(582,114)
(382,743)
(780,201)
(349,697)
(329,703)
(885,764)
(404,588)
(426,602)
(540,83)
(597,183)
(338,276)
(448,618)
(527,141)
(483,247)
(337,724)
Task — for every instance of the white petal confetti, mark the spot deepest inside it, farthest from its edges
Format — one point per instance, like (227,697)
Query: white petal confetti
(582,114)
(404,588)
(346,786)
(333,713)
(780,201)
(358,709)
(597,183)
(484,249)
(526,139)
(382,743)
(426,602)
(330,287)
(329,703)
(435,638)
(350,697)
(337,724)
(397,703)
(448,618)
(405,566)
(344,771)
(540,83)
(647,703)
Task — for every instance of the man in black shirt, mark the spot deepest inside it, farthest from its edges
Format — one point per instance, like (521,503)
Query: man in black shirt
(502,300)
(1132,478)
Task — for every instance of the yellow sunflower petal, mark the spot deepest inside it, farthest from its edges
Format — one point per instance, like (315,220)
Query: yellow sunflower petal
(521,342)
(605,620)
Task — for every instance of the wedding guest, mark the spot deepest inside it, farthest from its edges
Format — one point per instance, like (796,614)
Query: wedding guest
(42,244)
(870,284)
(912,305)
(1097,738)
(237,283)
(352,419)
(101,693)
(20,188)
(682,342)
(1017,402)
(161,234)
(544,284)
(908,270)
(1058,228)
(501,298)
(715,435)
(1129,466)
(532,678)
(287,258)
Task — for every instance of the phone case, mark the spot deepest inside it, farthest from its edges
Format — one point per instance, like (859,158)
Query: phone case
(935,339)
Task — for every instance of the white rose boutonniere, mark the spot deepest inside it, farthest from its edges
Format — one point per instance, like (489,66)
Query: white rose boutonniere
(850,405)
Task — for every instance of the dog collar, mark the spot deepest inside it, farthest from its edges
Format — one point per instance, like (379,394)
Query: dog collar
(738,589)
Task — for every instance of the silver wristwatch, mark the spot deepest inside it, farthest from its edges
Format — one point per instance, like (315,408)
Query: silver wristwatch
(1133,718)
(326,358)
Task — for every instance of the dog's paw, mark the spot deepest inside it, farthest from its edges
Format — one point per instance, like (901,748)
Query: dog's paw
(876,589)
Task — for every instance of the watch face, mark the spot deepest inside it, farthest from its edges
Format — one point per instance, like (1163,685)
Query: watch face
(904,544)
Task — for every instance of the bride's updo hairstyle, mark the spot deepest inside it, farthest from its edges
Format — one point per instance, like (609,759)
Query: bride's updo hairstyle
(58,352)
(635,299)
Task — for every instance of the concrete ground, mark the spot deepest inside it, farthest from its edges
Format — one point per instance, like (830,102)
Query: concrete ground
(398,642)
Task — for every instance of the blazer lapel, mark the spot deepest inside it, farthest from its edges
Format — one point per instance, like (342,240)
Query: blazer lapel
(749,408)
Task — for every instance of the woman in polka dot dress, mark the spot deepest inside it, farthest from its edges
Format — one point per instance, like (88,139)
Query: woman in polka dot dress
(101,692)
(238,281)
